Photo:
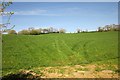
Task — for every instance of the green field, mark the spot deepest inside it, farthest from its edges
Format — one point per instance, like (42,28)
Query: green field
(29,51)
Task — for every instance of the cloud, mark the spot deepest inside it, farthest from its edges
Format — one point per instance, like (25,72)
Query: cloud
(73,9)
(45,12)
(31,12)
(36,12)
(51,14)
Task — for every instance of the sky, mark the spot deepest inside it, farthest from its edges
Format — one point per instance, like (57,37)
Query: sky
(64,0)
(67,15)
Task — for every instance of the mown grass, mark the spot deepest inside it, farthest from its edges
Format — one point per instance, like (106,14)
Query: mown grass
(26,52)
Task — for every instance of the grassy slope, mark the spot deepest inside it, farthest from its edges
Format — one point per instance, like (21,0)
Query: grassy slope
(25,52)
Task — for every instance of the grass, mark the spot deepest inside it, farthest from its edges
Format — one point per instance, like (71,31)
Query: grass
(98,69)
(62,71)
(26,52)
(82,69)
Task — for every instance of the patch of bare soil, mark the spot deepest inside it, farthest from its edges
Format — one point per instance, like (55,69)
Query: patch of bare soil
(78,71)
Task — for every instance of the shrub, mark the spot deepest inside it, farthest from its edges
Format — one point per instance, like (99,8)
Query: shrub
(12,32)
(34,32)
(24,32)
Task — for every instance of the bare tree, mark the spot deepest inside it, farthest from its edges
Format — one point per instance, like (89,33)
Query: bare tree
(6,26)
(62,30)
(51,30)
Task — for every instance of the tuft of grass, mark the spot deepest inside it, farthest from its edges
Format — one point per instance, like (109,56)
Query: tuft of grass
(111,67)
(62,71)
(98,69)
(82,69)
(51,71)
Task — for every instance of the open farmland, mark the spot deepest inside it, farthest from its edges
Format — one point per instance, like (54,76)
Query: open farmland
(28,52)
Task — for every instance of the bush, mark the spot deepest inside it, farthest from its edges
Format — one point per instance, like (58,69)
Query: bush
(34,32)
(12,32)
(24,32)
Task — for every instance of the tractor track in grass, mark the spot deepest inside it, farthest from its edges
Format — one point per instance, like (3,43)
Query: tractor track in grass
(60,57)
(68,47)
(57,46)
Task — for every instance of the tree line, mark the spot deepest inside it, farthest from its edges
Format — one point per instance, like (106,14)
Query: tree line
(112,27)
(33,31)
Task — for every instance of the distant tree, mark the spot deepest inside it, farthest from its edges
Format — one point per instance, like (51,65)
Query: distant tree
(104,29)
(34,32)
(39,31)
(84,31)
(62,30)
(24,32)
(12,32)
(55,31)
(100,29)
(108,27)
(30,28)
(78,30)
(51,30)
(116,28)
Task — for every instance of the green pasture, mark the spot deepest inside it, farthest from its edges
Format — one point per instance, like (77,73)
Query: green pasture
(29,51)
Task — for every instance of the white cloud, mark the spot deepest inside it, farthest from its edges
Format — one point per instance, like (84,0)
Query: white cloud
(36,12)
(31,12)
(52,14)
